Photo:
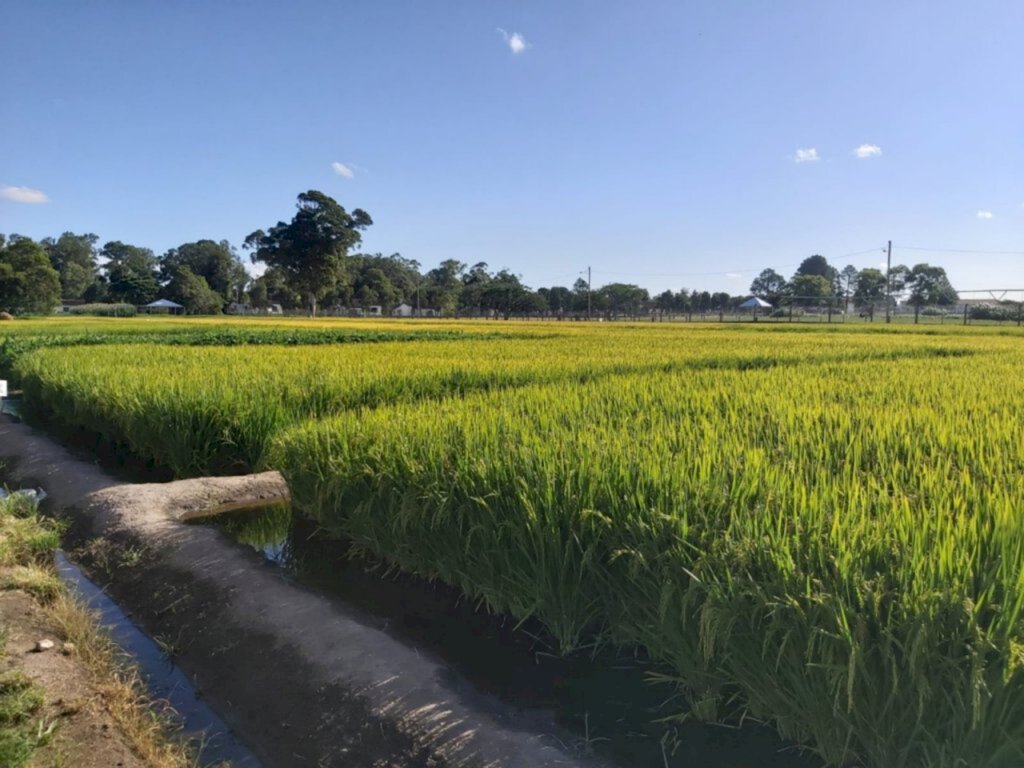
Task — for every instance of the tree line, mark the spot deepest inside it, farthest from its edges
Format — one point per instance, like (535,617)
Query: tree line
(311,263)
(818,283)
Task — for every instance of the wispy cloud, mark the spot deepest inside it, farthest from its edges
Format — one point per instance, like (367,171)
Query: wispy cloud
(24,195)
(809,155)
(986,215)
(342,170)
(865,151)
(515,42)
(734,275)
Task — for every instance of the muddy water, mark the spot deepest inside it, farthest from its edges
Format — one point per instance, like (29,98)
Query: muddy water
(164,680)
(605,702)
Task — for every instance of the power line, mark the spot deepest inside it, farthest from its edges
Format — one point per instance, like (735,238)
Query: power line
(731,271)
(963,250)
(991,290)
(686,274)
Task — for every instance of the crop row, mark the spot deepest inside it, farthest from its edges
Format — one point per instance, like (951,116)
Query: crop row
(215,409)
(835,546)
(14,347)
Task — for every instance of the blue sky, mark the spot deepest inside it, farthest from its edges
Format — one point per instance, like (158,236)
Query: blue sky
(657,142)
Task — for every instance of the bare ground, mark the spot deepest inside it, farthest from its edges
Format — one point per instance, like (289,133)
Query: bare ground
(85,733)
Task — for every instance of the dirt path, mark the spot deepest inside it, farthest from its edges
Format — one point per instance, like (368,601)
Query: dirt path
(85,735)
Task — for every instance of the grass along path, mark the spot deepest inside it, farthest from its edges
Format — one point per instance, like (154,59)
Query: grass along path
(79,704)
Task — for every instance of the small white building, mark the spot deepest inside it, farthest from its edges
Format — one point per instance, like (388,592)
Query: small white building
(755,303)
(406,310)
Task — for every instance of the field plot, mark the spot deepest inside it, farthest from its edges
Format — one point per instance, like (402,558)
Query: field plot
(207,401)
(820,529)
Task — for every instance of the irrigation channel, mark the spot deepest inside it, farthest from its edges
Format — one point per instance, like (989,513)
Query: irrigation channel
(605,701)
(164,680)
(305,656)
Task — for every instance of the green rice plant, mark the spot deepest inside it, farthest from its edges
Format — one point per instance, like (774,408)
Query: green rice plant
(214,409)
(817,528)
(834,547)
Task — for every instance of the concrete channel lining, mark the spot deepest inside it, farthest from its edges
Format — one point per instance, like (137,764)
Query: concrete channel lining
(300,678)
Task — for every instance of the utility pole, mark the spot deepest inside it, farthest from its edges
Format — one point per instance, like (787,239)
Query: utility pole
(888,285)
(589,289)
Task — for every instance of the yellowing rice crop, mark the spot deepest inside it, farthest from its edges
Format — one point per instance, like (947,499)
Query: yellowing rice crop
(215,409)
(820,529)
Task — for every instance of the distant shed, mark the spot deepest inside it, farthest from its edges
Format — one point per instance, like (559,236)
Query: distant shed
(164,305)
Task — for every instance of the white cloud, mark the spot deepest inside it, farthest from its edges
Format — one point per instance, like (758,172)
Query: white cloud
(986,215)
(809,155)
(515,42)
(865,151)
(734,275)
(342,170)
(24,195)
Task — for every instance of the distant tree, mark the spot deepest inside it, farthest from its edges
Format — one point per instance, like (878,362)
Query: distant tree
(28,282)
(720,301)
(310,250)
(505,294)
(131,273)
(377,279)
(558,298)
(769,285)
(701,301)
(665,302)
(98,292)
(258,295)
(446,284)
(870,288)
(374,287)
(272,288)
(683,300)
(624,298)
(74,258)
(848,282)
(193,292)
(898,281)
(929,286)
(474,285)
(817,265)
(810,290)
(533,303)
(582,296)
(217,263)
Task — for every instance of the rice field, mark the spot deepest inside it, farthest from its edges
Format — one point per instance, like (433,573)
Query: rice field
(819,529)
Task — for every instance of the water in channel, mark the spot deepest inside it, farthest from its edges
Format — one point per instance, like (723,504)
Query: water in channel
(163,678)
(606,702)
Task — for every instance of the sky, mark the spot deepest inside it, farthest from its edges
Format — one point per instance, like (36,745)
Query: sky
(665,143)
